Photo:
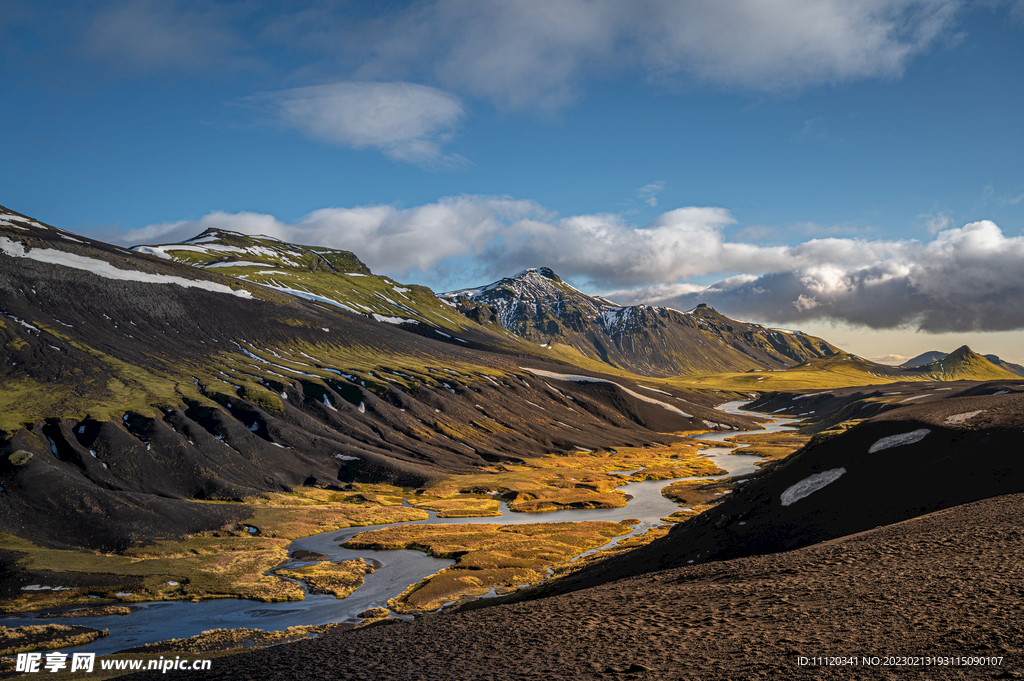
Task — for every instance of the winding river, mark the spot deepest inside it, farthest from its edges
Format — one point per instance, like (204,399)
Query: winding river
(396,570)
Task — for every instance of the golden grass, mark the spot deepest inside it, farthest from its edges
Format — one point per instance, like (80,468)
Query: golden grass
(770,445)
(45,637)
(102,611)
(374,613)
(575,480)
(219,640)
(228,563)
(459,506)
(339,579)
(694,493)
(488,555)
(627,544)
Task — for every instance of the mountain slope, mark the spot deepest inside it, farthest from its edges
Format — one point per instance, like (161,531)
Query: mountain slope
(935,356)
(924,358)
(1003,364)
(134,388)
(539,306)
(326,275)
(965,364)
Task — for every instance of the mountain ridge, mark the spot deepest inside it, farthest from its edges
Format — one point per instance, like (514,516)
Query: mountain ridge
(539,306)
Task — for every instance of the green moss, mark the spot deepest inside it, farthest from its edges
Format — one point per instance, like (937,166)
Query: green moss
(262,397)
(20,457)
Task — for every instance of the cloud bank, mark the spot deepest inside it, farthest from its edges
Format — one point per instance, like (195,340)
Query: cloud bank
(408,122)
(536,52)
(969,278)
(527,55)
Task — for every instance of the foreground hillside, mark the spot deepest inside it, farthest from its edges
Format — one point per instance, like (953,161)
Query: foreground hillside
(903,463)
(946,584)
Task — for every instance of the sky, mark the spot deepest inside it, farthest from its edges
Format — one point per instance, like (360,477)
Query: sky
(851,168)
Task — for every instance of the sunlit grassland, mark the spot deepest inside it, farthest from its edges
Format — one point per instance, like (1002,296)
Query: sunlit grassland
(230,562)
(461,506)
(309,510)
(577,479)
(338,579)
(695,495)
(489,556)
(45,637)
(838,371)
(770,445)
(627,544)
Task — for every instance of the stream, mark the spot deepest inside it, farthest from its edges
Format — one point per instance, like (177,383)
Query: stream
(395,569)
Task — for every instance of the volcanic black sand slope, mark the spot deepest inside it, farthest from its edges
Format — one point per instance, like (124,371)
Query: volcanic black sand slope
(906,462)
(898,539)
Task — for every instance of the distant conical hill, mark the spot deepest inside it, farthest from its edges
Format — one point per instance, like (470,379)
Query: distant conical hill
(538,305)
(924,359)
(963,364)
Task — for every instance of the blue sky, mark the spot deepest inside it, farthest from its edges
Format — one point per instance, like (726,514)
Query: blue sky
(851,168)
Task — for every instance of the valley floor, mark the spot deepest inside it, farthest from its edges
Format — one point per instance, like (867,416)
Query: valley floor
(947,584)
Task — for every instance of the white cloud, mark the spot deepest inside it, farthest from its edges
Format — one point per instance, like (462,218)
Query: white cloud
(936,222)
(649,192)
(965,279)
(389,239)
(408,122)
(535,52)
(893,360)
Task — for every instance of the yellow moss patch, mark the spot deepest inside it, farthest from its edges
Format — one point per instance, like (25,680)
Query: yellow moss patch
(545,500)
(45,637)
(488,555)
(625,545)
(461,506)
(694,493)
(340,579)
(770,445)
(216,640)
(103,611)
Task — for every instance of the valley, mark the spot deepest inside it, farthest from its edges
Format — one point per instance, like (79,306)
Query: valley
(238,433)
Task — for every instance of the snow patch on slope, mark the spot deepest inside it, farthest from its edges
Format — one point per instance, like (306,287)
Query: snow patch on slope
(590,379)
(899,440)
(104,269)
(810,485)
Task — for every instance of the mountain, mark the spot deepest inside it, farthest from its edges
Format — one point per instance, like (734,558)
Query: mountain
(936,356)
(965,364)
(924,358)
(326,275)
(1003,364)
(137,388)
(538,305)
